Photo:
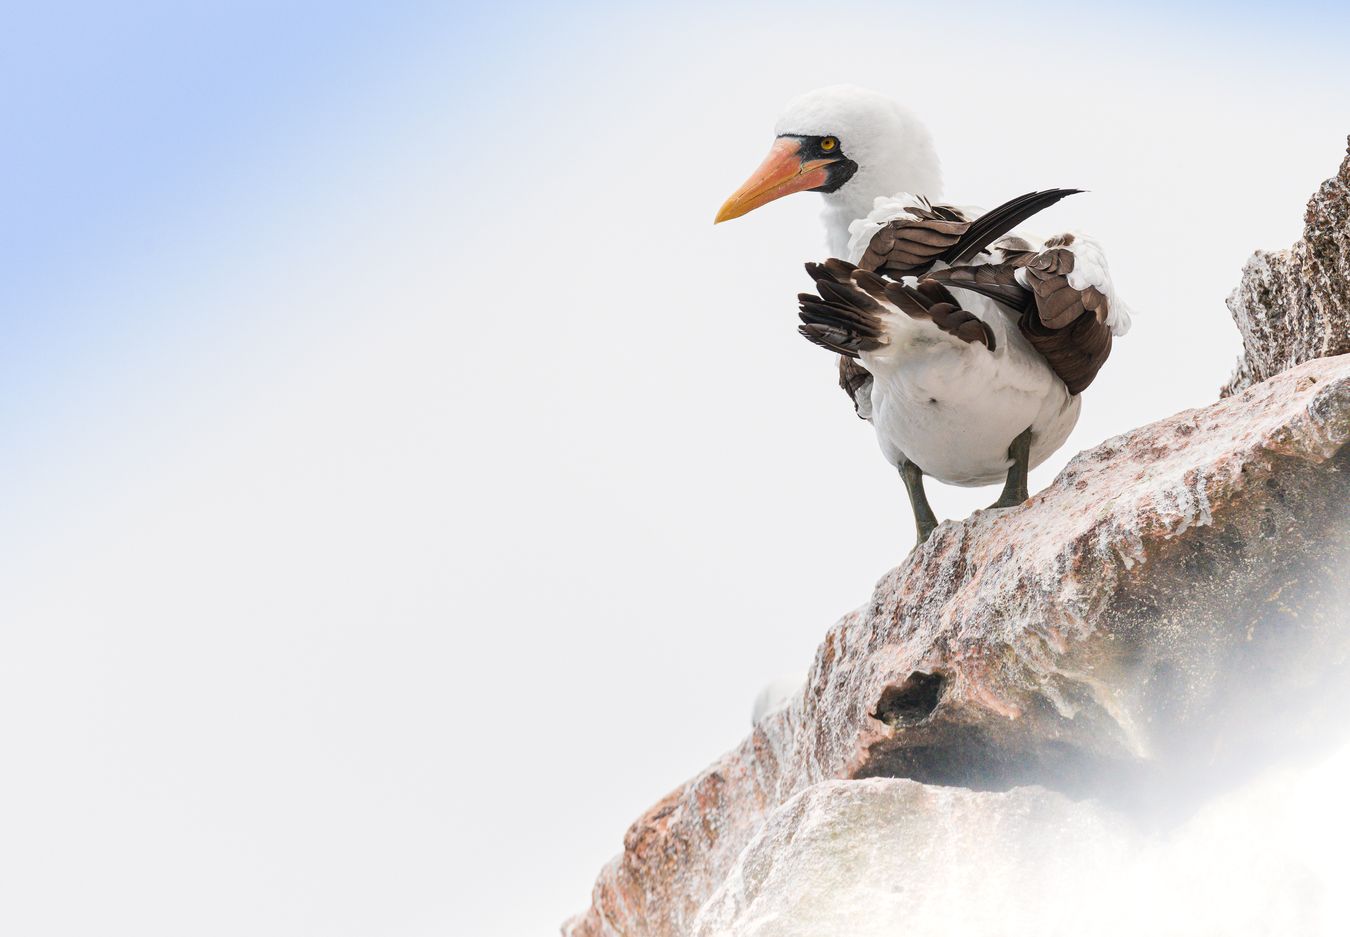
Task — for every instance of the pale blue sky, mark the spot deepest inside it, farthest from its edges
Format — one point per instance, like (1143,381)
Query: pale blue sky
(403,478)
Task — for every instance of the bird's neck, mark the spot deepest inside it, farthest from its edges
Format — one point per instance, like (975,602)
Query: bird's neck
(912,166)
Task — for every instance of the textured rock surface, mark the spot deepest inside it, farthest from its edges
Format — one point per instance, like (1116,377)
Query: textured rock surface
(1293,306)
(882,857)
(1142,625)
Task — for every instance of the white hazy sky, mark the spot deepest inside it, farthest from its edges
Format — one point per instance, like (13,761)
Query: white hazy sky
(406,484)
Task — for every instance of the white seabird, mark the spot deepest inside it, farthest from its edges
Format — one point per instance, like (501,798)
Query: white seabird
(970,391)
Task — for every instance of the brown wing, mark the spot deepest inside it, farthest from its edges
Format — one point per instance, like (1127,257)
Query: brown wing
(846,316)
(1067,326)
(911,246)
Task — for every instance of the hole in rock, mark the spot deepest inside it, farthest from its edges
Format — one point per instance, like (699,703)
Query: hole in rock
(911,702)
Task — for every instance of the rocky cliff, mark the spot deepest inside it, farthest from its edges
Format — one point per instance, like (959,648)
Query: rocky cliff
(1137,634)
(1293,306)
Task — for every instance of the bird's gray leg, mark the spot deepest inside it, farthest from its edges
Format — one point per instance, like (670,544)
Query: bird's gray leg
(1015,489)
(924,520)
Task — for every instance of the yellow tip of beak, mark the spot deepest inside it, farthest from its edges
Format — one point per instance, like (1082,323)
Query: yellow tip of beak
(782,172)
(728,211)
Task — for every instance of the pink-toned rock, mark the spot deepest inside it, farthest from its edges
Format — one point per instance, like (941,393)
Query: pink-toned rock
(1293,306)
(1142,625)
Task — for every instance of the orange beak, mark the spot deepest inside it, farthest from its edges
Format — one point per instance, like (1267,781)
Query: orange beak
(782,173)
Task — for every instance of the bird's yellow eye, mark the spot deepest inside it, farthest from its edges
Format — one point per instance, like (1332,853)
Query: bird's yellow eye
(828,144)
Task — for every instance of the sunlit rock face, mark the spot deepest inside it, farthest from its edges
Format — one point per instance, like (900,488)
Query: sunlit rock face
(1294,305)
(1143,639)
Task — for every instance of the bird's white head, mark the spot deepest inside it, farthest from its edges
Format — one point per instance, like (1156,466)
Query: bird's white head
(852,145)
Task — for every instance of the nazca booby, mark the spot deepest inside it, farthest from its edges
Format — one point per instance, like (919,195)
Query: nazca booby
(971,391)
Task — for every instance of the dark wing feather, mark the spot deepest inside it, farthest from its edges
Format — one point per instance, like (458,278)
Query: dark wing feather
(846,315)
(992,225)
(910,247)
(857,383)
(997,281)
(1067,326)
(932,301)
(843,318)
